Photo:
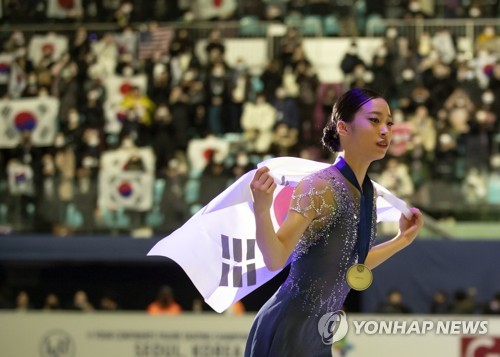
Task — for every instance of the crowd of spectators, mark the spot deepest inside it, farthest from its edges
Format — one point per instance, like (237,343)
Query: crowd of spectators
(125,11)
(460,302)
(444,97)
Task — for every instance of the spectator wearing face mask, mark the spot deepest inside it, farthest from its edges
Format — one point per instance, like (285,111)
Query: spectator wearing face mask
(65,163)
(217,91)
(139,109)
(415,11)
(257,122)
(407,85)
(164,137)
(242,165)
(239,87)
(351,59)
(443,43)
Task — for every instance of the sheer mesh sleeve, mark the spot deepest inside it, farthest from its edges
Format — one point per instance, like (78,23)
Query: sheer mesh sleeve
(308,198)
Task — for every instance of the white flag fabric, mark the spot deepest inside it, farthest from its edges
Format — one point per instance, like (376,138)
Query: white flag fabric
(201,151)
(118,86)
(209,9)
(37,115)
(124,183)
(217,247)
(51,42)
(17,81)
(5,63)
(62,9)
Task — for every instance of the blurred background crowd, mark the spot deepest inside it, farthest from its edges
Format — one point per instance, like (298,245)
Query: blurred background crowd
(207,121)
(129,116)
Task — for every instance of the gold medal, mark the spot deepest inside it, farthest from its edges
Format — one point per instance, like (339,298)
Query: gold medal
(359,277)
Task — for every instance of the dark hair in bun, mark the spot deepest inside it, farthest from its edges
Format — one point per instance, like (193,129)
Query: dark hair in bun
(344,109)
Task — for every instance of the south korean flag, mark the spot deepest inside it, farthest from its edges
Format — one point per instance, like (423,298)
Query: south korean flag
(126,180)
(35,115)
(62,9)
(5,64)
(117,87)
(51,43)
(20,178)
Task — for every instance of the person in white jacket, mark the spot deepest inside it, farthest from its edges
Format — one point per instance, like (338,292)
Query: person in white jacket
(257,122)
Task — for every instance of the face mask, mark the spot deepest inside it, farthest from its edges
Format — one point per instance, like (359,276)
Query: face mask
(93,141)
(158,69)
(92,95)
(73,118)
(242,160)
(127,8)
(460,102)
(218,72)
(88,162)
(127,143)
(59,142)
(162,111)
(280,93)
(474,12)
(481,116)
(489,31)
(392,33)
(408,74)
(445,139)
(382,52)
(488,98)
(414,7)
(368,77)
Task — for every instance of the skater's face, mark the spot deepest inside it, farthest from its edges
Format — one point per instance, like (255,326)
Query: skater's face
(370,132)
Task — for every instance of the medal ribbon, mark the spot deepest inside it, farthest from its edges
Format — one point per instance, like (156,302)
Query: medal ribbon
(365,208)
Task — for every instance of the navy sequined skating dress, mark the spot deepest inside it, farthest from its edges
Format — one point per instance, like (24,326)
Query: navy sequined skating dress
(287,325)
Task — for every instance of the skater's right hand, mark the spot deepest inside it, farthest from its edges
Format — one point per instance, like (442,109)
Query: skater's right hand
(262,187)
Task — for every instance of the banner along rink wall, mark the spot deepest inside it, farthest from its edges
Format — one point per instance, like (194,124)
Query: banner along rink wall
(67,334)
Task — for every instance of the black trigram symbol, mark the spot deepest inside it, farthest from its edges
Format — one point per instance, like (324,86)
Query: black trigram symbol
(238,262)
(42,109)
(5,112)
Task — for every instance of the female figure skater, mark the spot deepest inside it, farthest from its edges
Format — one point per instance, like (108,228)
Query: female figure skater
(329,232)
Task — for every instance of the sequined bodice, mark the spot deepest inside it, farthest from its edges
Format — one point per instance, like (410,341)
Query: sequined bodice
(316,282)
